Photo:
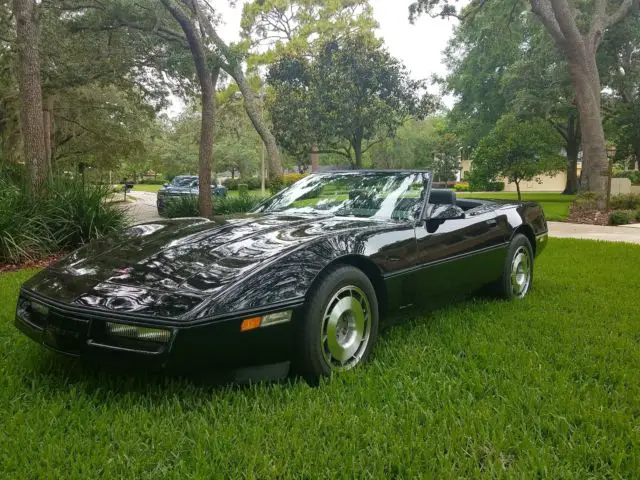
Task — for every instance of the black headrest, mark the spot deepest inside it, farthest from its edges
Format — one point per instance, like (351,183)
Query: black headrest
(442,197)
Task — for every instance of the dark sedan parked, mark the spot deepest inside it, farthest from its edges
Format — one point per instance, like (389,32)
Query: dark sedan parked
(306,277)
(183,185)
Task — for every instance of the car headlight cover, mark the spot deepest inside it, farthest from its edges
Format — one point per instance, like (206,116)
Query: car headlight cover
(159,335)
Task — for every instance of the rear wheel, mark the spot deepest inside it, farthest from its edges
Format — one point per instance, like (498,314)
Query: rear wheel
(339,326)
(517,275)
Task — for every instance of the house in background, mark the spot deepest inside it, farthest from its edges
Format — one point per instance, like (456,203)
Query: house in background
(543,183)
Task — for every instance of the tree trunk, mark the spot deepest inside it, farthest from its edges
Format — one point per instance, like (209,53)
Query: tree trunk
(27,40)
(594,160)
(357,149)
(205,78)
(572,146)
(47,120)
(635,162)
(255,112)
(517,182)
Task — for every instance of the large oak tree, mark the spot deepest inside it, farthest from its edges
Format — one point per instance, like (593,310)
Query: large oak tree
(578,29)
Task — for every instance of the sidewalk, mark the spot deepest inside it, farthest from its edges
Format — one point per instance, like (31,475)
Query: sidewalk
(629,233)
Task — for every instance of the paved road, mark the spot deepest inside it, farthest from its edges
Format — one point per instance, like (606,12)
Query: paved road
(144,210)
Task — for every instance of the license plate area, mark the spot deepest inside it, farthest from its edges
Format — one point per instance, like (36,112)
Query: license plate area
(66,334)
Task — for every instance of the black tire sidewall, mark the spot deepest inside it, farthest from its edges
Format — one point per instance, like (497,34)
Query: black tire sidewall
(518,241)
(309,359)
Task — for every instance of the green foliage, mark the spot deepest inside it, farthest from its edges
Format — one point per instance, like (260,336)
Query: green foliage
(546,387)
(620,217)
(243,189)
(633,175)
(62,217)
(629,201)
(462,187)
(188,206)
(518,150)
(637,215)
(273,28)
(351,95)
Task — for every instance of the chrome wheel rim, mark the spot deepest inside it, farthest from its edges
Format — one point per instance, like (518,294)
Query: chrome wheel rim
(521,272)
(346,328)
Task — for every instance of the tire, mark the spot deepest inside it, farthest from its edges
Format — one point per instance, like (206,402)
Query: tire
(338,328)
(517,274)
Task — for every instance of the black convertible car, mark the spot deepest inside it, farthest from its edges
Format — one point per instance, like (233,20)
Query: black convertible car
(306,277)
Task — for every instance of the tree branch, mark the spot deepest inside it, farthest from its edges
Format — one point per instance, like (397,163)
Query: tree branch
(621,13)
(542,8)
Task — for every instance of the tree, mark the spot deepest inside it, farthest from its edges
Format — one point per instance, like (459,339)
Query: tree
(578,29)
(352,95)
(273,28)
(517,151)
(521,72)
(31,119)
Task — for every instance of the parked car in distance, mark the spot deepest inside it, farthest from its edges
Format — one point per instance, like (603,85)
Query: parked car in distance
(307,277)
(183,185)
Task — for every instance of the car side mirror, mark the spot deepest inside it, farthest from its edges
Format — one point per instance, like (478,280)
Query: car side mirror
(447,212)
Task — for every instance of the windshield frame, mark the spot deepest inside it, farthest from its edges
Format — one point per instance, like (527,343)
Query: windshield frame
(427,178)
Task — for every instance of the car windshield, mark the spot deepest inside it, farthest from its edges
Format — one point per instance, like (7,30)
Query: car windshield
(384,195)
(183,181)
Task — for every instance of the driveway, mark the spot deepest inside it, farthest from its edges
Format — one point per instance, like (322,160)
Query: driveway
(629,234)
(144,210)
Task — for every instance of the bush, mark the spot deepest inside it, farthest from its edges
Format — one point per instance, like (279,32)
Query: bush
(231,183)
(189,206)
(629,201)
(291,178)
(462,187)
(633,175)
(63,216)
(620,217)
(152,182)
(637,215)
(243,189)
(495,186)
(276,185)
(254,183)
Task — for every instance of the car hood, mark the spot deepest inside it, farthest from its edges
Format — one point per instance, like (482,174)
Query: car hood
(168,268)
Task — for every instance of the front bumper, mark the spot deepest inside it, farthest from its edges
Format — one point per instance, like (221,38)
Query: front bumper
(218,345)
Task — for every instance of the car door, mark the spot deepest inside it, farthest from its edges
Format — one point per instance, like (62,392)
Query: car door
(460,254)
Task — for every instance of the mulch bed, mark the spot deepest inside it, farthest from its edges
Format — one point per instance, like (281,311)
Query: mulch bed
(39,263)
(587,214)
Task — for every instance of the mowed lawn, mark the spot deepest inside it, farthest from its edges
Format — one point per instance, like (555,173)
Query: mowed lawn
(555,205)
(544,387)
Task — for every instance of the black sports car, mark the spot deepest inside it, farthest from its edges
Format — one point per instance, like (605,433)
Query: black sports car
(306,277)
(181,186)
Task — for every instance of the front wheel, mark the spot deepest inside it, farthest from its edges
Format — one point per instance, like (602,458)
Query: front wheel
(339,327)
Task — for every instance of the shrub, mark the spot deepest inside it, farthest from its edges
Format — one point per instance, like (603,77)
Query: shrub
(185,206)
(629,201)
(620,217)
(152,182)
(243,189)
(637,216)
(254,183)
(495,187)
(633,175)
(461,187)
(189,206)
(231,183)
(291,178)
(63,216)
(276,185)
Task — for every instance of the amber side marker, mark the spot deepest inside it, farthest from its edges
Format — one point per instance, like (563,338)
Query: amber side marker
(250,324)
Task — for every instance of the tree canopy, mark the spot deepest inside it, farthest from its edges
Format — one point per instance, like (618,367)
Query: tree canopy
(350,96)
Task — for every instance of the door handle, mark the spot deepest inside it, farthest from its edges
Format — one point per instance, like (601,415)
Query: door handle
(491,222)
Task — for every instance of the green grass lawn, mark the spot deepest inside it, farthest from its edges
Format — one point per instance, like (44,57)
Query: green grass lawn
(555,205)
(141,187)
(544,387)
